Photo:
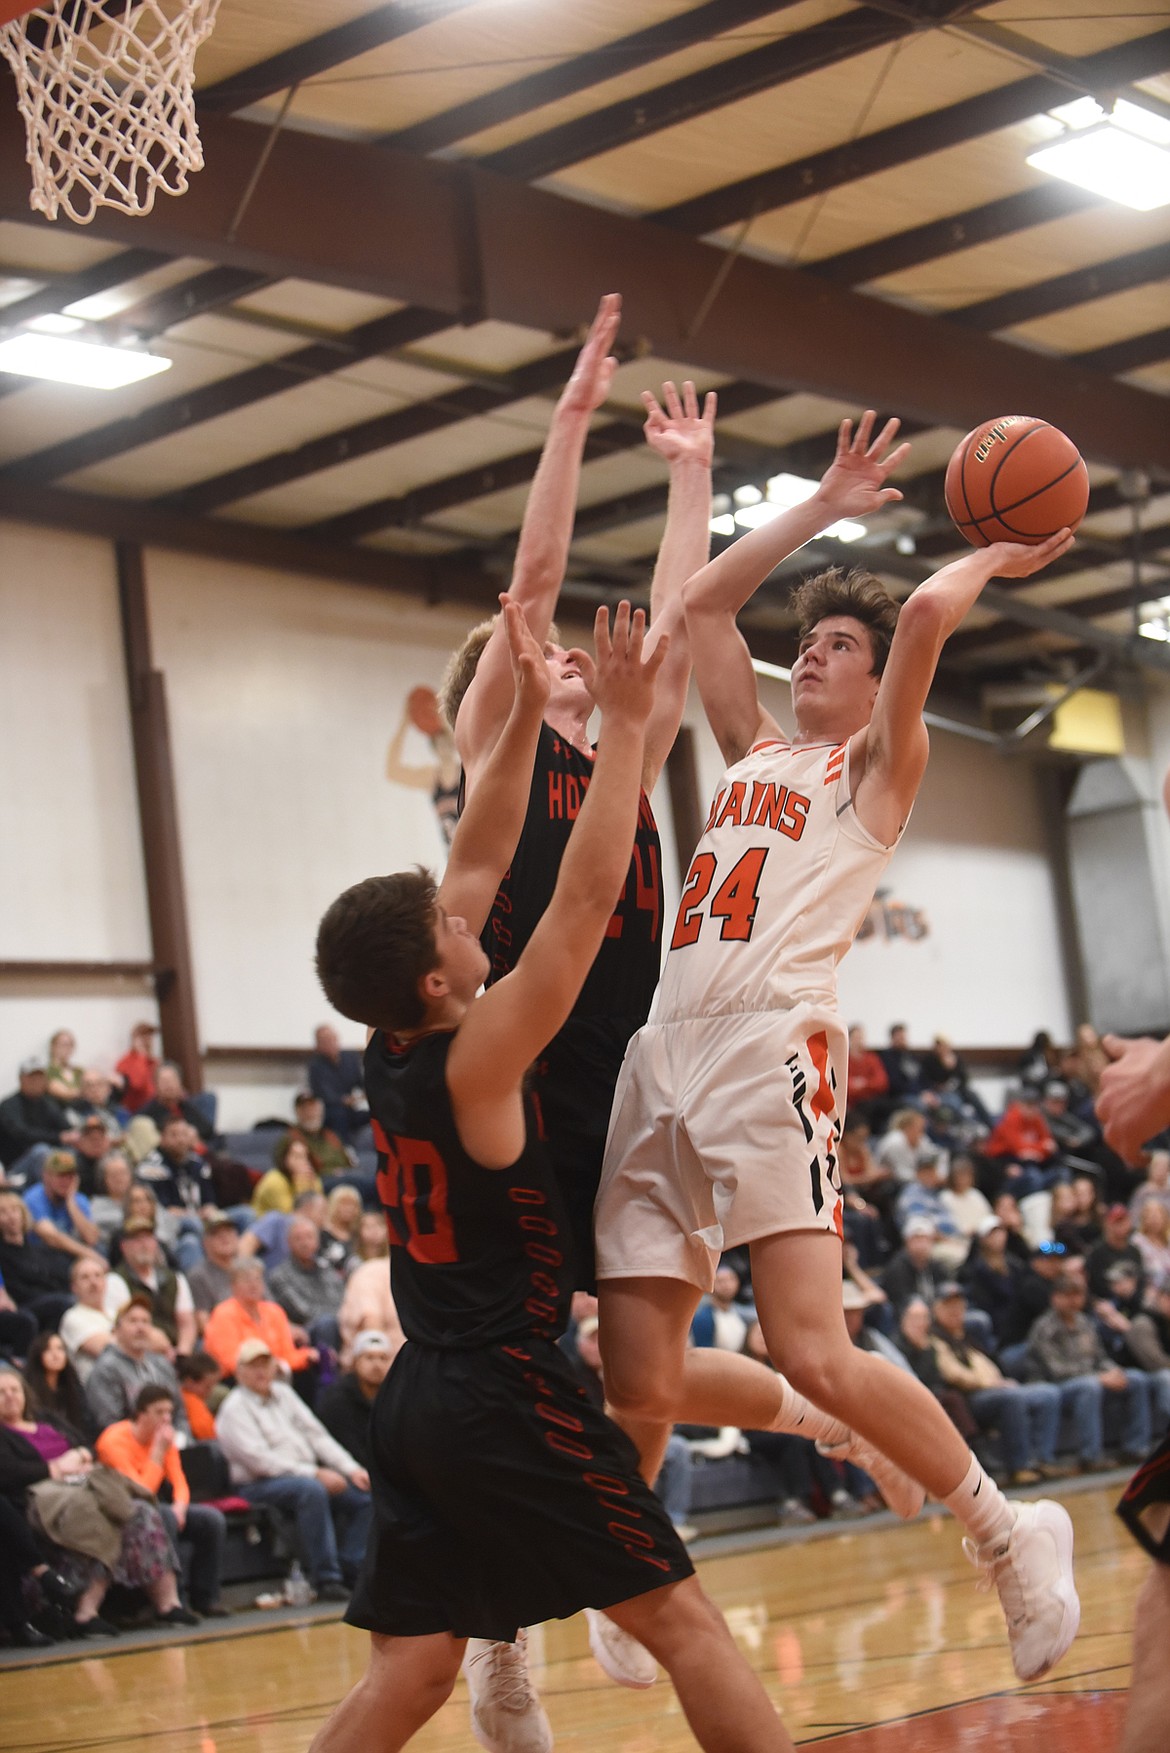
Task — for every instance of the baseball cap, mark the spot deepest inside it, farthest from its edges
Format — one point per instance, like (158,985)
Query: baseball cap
(918,1226)
(138,1226)
(59,1162)
(1115,1212)
(252,1349)
(1056,1087)
(31,1065)
(217,1220)
(989,1223)
(948,1291)
(370,1340)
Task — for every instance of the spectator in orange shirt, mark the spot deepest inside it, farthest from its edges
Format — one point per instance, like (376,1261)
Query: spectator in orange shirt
(1023,1142)
(246,1314)
(143,1449)
(138,1068)
(199,1376)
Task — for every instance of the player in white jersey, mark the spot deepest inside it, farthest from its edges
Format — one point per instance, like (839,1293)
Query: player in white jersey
(726,1117)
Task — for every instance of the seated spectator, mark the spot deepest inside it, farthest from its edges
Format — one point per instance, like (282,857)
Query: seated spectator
(280,1454)
(137,1552)
(913,1271)
(35,1277)
(338,1247)
(107,1206)
(1152,1242)
(88,1327)
(17,1327)
(248,1315)
(128,1365)
(1022,1146)
(267,1236)
(906,1145)
(903,1068)
(1007,1210)
(181,1181)
(1075,1136)
(211,1280)
(1041,1212)
(947,1091)
(335,1078)
(142,1447)
(1081,1229)
(171,1102)
(1156,1185)
(93,1144)
(1114,1247)
(914,1342)
(330,1156)
(1065,1347)
(368,1304)
(32,1124)
(144,1272)
(141,1202)
(867,1085)
(56,1392)
(199,1376)
(718,1321)
(923,1198)
(1040,1062)
(1115,1311)
(373,1238)
(345,1406)
(137,1068)
(992,1278)
(62,1077)
(293,1174)
(307,1290)
(92,1102)
(60,1212)
(1027,1418)
(965,1205)
(1032,1298)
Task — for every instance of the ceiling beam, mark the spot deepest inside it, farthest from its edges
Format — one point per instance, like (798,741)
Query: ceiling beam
(822,45)
(1128,355)
(542,259)
(1063,291)
(716,18)
(320,54)
(66,289)
(195,297)
(904,142)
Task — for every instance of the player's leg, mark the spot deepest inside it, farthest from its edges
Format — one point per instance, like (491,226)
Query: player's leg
(721,1695)
(1026,1549)
(1148,1711)
(406,1681)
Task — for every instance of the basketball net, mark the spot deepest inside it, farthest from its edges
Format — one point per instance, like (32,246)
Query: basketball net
(106,89)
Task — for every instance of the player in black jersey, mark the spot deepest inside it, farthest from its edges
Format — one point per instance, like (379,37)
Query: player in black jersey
(501,1494)
(576,1074)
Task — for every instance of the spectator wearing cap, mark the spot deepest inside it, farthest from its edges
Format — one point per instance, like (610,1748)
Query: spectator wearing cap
(1033,1297)
(142,1447)
(60,1212)
(923,1198)
(32,1123)
(92,1146)
(249,1315)
(280,1454)
(913,1271)
(335,1077)
(1115,1248)
(92,1102)
(138,1067)
(1026,1417)
(1065,1347)
(345,1406)
(211,1279)
(905,1145)
(181,1181)
(171,1102)
(330,1156)
(308,1290)
(1074,1135)
(130,1364)
(88,1327)
(143,1271)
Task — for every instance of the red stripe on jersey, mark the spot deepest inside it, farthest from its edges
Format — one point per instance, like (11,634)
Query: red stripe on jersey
(824,1100)
(770,743)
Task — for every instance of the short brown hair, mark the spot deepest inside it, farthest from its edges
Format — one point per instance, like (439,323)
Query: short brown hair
(375,944)
(856,593)
(460,671)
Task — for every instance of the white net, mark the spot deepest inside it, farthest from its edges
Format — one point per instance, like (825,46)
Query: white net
(106,89)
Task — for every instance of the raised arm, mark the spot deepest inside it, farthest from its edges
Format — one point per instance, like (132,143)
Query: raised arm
(853,485)
(490,825)
(545,534)
(505,1028)
(684,438)
(890,754)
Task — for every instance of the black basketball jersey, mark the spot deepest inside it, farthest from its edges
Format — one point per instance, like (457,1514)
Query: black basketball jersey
(624,974)
(477,1256)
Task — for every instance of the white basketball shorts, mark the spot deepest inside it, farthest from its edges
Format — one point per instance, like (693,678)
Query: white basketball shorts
(724,1129)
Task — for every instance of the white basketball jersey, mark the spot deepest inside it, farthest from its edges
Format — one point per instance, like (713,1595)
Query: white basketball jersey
(776,891)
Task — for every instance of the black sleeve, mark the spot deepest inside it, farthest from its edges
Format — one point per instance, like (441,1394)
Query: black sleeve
(20,1464)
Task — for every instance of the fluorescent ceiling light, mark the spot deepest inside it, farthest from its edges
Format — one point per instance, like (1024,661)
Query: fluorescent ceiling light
(77,362)
(1124,157)
(55,323)
(781,493)
(1154,621)
(723,525)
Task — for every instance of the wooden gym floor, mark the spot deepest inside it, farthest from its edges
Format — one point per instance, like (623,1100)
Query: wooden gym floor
(874,1639)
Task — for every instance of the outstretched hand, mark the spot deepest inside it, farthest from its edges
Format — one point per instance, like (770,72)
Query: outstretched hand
(530,676)
(1021,559)
(855,481)
(621,680)
(676,429)
(593,373)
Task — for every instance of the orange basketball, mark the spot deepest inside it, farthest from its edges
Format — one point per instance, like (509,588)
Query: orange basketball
(423,708)
(1016,479)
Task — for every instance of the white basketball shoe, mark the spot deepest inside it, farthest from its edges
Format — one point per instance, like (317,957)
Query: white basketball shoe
(1031,1566)
(506,1713)
(618,1654)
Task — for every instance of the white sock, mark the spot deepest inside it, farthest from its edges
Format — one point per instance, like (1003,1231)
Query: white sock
(800,1417)
(981,1506)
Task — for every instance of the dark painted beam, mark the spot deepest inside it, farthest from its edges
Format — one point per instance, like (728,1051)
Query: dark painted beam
(634,118)
(716,18)
(225,395)
(904,142)
(158,814)
(958,231)
(66,289)
(204,292)
(1063,291)
(319,54)
(1128,355)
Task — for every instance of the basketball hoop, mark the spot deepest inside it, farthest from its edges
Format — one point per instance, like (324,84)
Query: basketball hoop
(106,89)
